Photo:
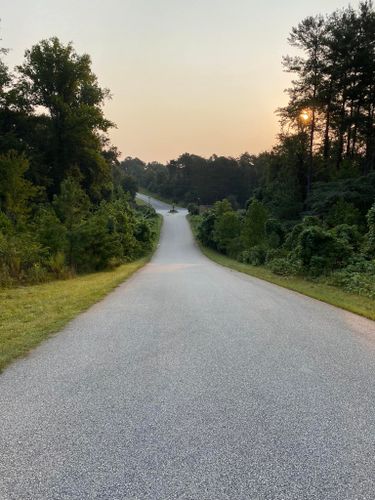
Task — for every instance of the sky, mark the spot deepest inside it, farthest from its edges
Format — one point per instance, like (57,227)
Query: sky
(197,76)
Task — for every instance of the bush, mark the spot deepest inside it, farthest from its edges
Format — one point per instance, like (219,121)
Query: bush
(56,264)
(358,277)
(50,231)
(254,229)
(36,273)
(321,251)
(193,209)
(18,255)
(227,228)
(144,235)
(275,253)
(292,239)
(343,212)
(93,244)
(146,211)
(205,229)
(71,234)
(256,256)
(235,247)
(274,233)
(142,231)
(349,234)
(285,267)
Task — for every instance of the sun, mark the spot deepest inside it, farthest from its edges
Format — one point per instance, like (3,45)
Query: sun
(305,115)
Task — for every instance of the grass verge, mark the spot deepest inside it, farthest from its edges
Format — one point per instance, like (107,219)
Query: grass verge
(30,314)
(363,306)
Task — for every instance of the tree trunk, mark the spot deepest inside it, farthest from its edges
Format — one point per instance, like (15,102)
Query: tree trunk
(326,146)
(340,147)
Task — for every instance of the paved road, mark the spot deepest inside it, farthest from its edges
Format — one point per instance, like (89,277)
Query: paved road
(191,381)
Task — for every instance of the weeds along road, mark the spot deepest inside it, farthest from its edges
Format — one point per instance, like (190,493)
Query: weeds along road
(192,381)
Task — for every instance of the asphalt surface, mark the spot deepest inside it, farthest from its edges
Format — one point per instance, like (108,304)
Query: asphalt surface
(192,381)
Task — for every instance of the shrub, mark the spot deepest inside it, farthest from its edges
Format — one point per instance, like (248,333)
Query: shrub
(36,273)
(227,228)
(220,207)
(358,277)
(146,211)
(321,251)
(343,212)
(235,247)
(50,231)
(144,235)
(350,234)
(285,267)
(275,253)
(254,229)
(193,209)
(205,229)
(18,254)
(142,231)
(56,264)
(274,233)
(93,244)
(256,256)
(292,239)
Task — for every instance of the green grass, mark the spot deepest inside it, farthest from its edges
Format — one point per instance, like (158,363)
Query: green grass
(30,314)
(363,306)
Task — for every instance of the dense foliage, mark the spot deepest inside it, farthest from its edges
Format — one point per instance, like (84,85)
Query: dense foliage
(193,179)
(65,206)
(341,253)
(306,207)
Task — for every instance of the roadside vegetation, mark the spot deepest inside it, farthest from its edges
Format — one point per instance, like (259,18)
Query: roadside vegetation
(305,211)
(66,208)
(29,314)
(317,288)
(70,229)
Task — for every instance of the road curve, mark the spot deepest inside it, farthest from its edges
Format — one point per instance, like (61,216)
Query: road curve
(192,381)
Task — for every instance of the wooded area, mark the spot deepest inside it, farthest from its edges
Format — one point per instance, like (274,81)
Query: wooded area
(307,206)
(64,204)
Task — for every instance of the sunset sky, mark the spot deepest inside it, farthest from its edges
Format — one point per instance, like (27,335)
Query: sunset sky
(202,76)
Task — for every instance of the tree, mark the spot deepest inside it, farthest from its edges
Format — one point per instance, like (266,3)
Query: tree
(221,207)
(332,97)
(72,207)
(371,232)
(254,228)
(59,81)
(321,250)
(227,228)
(304,95)
(15,190)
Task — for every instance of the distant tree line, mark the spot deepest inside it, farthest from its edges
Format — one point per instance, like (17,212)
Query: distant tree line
(65,206)
(191,178)
(307,206)
(328,126)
